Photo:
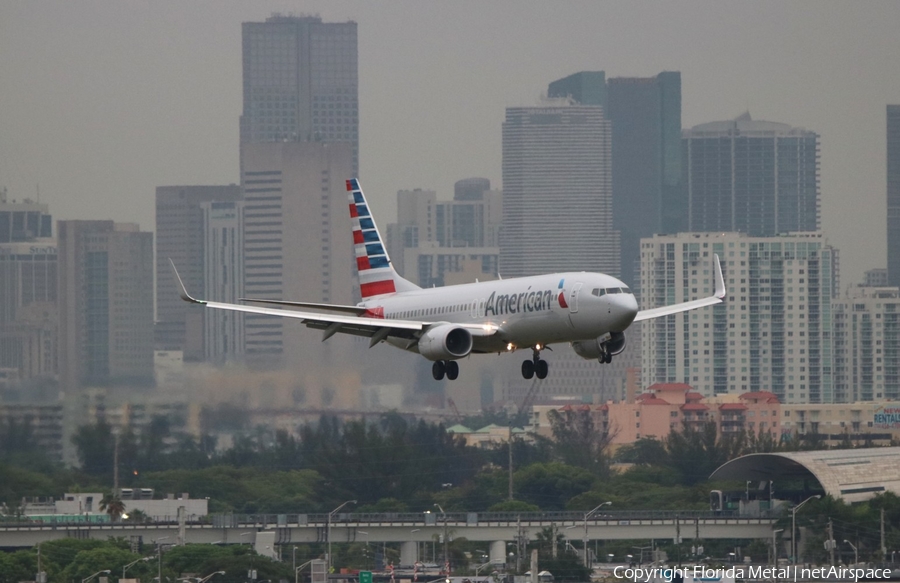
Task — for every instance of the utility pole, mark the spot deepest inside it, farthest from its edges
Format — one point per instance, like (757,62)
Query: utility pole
(116,466)
(883,547)
(830,542)
(509,445)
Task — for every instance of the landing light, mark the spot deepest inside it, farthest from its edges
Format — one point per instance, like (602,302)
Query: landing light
(538,347)
(510,346)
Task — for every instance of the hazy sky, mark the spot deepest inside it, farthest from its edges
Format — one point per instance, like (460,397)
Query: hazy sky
(102,101)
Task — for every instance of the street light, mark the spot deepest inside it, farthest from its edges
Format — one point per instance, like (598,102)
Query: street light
(85,580)
(210,576)
(855,552)
(586,516)
(480,567)
(367,546)
(328,533)
(159,558)
(775,546)
(794,526)
(297,571)
(132,563)
(446,569)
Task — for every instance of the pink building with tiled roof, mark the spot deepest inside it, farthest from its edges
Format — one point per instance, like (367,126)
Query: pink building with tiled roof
(666,406)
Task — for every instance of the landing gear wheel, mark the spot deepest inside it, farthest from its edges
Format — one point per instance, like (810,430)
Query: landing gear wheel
(541,368)
(437,370)
(452,368)
(527,369)
(607,357)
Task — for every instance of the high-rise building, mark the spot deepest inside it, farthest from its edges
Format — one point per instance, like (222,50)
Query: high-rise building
(223,278)
(754,177)
(647,189)
(774,332)
(28,312)
(180,236)
(301,82)
(893,194)
(867,345)
(557,191)
(297,237)
(23,221)
(28,337)
(584,87)
(105,296)
(648,195)
(433,239)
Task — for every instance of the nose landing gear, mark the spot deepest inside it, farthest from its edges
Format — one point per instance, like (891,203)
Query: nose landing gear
(535,366)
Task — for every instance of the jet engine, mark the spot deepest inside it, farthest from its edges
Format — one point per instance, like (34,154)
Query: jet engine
(445,342)
(612,343)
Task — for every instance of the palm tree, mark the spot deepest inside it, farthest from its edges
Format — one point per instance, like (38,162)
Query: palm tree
(112,505)
(139,516)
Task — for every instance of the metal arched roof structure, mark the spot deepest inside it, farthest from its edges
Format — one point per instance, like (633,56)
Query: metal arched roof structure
(853,475)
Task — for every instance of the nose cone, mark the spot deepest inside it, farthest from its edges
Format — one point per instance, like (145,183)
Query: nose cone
(622,309)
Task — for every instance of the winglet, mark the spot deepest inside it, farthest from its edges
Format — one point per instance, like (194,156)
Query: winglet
(183,293)
(720,281)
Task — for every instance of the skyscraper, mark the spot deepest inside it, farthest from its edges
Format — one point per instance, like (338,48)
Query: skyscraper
(775,331)
(297,237)
(893,194)
(647,189)
(105,296)
(223,278)
(180,237)
(584,87)
(867,344)
(28,312)
(754,177)
(648,196)
(450,241)
(28,270)
(557,191)
(301,82)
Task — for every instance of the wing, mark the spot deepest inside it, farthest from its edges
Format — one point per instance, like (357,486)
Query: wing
(375,328)
(717,298)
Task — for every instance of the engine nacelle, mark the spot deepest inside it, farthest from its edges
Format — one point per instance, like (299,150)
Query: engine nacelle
(612,343)
(445,342)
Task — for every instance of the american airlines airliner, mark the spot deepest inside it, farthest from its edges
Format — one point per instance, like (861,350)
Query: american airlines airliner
(590,311)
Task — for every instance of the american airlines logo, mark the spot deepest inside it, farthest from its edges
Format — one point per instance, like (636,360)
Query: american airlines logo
(535,301)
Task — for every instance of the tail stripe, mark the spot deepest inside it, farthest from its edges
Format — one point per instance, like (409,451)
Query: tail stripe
(376,276)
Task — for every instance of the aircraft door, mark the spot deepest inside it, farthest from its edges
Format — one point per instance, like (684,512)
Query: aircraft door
(573,297)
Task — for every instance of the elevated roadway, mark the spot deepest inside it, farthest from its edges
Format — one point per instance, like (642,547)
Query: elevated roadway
(404,527)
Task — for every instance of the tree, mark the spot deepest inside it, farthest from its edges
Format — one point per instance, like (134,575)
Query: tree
(112,504)
(578,442)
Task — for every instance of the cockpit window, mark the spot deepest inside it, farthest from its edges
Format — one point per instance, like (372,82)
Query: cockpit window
(610,290)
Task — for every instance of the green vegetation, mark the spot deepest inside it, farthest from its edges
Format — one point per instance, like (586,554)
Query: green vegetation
(395,464)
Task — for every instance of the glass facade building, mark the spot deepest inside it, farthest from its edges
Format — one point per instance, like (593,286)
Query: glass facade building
(893,194)
(754,177)
(647,189)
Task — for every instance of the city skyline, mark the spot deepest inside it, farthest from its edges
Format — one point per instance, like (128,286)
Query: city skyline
(102,103)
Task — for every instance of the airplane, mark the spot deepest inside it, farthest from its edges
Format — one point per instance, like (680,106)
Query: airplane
(590,311)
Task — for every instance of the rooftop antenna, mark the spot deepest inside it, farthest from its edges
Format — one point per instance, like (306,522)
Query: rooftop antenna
(37,187)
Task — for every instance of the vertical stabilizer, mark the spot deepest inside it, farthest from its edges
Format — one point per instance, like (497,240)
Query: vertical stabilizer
(376,274)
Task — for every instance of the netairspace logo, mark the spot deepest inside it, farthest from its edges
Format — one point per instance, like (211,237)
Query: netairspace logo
(704,574)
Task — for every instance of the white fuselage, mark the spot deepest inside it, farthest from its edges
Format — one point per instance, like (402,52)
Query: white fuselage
(526,311)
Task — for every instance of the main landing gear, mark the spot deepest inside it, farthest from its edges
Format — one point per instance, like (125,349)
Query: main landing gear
(445,367)
(535,366)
